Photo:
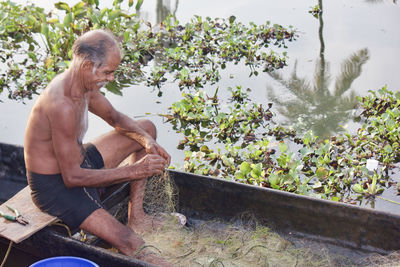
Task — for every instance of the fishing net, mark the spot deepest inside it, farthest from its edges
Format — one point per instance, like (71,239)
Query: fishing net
(160,196)
(218,244)
(240,242)
(375,260)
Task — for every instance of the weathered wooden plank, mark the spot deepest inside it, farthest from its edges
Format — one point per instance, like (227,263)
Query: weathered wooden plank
(22,201)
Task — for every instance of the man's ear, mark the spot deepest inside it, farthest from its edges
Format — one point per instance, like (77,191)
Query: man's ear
(87,65)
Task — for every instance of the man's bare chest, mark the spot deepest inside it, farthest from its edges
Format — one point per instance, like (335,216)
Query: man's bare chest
(82,121)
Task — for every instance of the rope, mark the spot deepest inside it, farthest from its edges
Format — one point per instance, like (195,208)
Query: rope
(140,250)
(7,253)
(63,225)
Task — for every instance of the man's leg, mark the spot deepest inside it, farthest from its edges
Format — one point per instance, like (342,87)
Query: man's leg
(116,148)
(138,220)
(101,224)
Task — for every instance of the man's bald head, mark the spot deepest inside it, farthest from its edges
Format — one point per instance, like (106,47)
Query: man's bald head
(95,46)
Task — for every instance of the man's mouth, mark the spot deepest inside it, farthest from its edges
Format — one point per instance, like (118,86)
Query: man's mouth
(101,84)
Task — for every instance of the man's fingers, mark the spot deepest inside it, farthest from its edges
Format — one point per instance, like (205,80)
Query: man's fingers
(164,154)
(159,150)
(157,162)
(158,158)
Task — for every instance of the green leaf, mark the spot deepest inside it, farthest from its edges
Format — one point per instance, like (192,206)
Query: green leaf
(322,173)
(388,149)
(62,64)
(274,180)
(239,175)
(130,3)
(63,6)
(397,95)
(245,167)
(256,170)
(67,20)
(114,14)
(358,188)
(32,19)
(336,199)
(138,4)
(45,30)
(80,14)
(95,18)
(32,56)
(205,149)
(283,147)
(232,19)
(306,151)
(113,87)
(78,6)
(53,21)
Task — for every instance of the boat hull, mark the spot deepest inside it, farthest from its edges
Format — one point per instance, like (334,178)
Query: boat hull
(200,197)
(336,223)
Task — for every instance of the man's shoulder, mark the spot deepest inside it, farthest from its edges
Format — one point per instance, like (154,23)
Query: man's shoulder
(62,106)
(54,95)
(56,105)
(56,101)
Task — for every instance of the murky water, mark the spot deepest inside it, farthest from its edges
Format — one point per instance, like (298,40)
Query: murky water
(362,34)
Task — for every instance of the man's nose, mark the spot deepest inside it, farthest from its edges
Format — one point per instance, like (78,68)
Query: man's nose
(110,77)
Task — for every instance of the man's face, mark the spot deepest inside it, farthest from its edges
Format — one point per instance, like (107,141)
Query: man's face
(105,73)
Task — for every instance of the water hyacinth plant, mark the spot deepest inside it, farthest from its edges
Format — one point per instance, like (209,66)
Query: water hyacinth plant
(248,147)
(36,46)
(238,141)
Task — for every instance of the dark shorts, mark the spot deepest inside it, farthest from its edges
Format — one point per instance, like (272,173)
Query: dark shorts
(71,205)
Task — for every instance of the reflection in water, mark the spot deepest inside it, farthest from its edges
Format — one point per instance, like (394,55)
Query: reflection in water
(315,107)
(163,9)
(378,1)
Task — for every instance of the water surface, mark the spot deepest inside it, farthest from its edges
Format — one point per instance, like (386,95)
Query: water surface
(367,29)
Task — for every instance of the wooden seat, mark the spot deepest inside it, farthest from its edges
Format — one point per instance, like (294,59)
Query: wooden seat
(22,201)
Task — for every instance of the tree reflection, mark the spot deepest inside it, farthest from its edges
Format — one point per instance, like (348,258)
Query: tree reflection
(314,106)
(163,9)
(378,1)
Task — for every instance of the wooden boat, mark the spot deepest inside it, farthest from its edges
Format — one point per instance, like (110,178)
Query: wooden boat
(339,225)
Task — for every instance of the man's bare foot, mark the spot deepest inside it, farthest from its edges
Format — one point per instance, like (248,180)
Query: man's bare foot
(148,255)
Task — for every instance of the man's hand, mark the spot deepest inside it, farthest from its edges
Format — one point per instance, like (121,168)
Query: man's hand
(151,164)
(153,148)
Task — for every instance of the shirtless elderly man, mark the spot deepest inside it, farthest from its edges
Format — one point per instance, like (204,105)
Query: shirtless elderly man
(64,174)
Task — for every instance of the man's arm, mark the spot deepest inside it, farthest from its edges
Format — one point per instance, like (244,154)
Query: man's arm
(125,125)
(62,118)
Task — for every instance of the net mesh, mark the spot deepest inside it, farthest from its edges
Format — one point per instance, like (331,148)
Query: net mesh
(243,242)
(375,259)
(160,195)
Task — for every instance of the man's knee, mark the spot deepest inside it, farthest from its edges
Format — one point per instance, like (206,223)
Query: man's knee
(149,127)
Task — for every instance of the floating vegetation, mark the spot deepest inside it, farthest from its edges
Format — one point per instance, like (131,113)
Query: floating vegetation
(243,143)
(193,53)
